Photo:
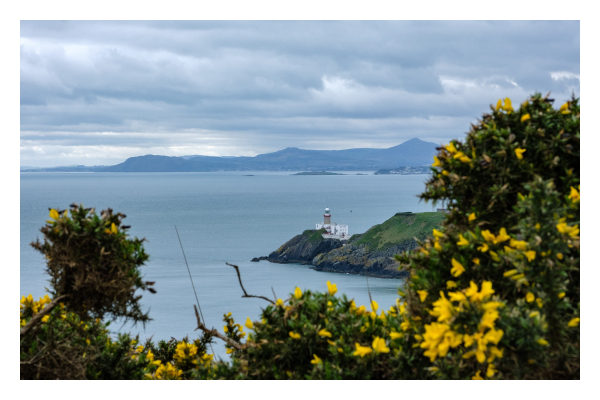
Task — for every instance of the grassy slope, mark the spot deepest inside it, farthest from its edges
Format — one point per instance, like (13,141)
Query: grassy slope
(399,228)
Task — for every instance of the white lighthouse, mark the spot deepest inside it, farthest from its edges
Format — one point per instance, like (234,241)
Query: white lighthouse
(334,231)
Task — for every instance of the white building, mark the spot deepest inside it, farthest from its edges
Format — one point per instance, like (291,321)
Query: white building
(334,231)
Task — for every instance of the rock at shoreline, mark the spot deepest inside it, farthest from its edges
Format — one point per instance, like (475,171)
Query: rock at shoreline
(301,249)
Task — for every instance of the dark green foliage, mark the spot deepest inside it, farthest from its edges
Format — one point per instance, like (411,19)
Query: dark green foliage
(90,259)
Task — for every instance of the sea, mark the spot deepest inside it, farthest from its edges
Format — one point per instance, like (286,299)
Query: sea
(221,217)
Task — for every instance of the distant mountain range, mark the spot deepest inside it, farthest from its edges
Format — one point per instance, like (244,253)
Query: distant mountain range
(412,153)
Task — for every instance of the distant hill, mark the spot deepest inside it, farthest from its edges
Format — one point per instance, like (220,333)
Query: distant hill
(414,152)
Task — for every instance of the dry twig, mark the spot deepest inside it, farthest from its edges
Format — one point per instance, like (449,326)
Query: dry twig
(245,293)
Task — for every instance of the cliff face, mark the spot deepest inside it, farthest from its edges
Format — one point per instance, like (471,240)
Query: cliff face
(302,249)
(358,259)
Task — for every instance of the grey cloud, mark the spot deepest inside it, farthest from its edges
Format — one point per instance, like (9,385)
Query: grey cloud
(272,84)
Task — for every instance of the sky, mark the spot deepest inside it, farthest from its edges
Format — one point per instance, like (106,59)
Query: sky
(99,92)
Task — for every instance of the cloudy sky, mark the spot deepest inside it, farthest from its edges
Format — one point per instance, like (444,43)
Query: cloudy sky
(96,93)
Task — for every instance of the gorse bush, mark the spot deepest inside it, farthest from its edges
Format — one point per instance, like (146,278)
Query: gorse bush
(91,261)
(493,294)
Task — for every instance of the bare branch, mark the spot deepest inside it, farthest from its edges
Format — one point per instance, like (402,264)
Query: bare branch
(38,317)
(214,332)
(245,293)
(274,295)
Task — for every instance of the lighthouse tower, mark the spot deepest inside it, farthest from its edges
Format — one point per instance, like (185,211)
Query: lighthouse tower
(334,231)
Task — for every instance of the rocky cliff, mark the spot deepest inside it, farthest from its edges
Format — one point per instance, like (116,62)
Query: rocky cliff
(302,249)
(360,260)
(371,253)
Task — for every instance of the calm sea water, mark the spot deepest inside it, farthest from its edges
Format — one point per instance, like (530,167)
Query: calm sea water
(221,217)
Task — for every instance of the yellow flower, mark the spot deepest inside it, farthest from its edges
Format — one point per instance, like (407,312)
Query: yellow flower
(488,236)
(442,308)
(54,214)
(457,296)
(88,341)
(477,376)
(574,322)
(510,273)
(491,370)
(495,352)
(462,241)
(437,246)
(519,152)
(472,290)
(437,233)
(362,350)
(476,261)
(316,360)
(572,231)
(229,351)
(502,236)
(543,342)
(445,173)
(450,284)
(486,290)
(374,305)
(564,109)
(534,314)
(450,147)
(436,162)
(499,105)
(45,318)
(561,295)
(539,302)
(559,256)
(324,333)
(295,335)
(395,335)
(279,302)
(379,345)
(113,228)
(331,342)
(332,288)
(472,217)
(530,297)
(518,244)
(574,195)
(457,268)
(249,324)
(422,294)
(508,105)
(483,248)
(525,117)
(297,293)
(530,255)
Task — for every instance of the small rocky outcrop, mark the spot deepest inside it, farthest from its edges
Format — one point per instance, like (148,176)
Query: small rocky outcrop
(302,249)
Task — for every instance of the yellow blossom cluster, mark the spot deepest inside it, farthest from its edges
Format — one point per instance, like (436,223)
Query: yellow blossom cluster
(439,337)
